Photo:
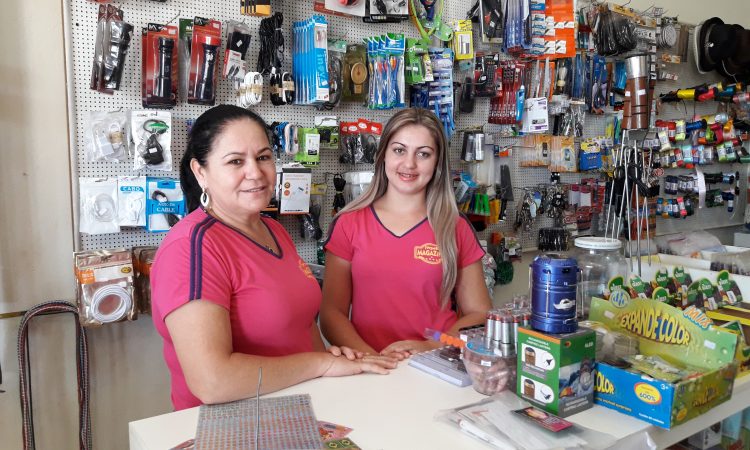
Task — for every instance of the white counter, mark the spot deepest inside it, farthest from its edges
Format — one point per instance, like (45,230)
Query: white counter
(396,412)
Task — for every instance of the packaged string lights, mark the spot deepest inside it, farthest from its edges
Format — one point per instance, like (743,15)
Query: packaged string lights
(104,286)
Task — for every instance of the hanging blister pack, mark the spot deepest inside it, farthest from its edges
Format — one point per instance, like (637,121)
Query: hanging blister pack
(98,206)
(165,204)
(131,201)
(106,136)
(104,280)
(184,47)
(355,74)
(204,52)
(111,47)
(159,66)
(310,60)
(152,138)
(238,41)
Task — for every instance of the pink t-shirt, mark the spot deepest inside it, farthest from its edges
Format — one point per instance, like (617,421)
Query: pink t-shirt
(272,300)
(396,279)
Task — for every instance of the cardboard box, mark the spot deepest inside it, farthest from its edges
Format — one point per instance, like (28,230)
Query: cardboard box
(678,337)
(556,372)
(294,190)
(737,320)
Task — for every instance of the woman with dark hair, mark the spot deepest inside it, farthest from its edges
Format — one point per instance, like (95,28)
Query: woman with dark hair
(399,253)
(230,294)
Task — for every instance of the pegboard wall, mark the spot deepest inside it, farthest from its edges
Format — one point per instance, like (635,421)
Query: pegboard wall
(81,29)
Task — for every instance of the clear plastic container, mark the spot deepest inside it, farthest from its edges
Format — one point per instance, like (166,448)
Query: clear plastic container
(490,372)
(599,260)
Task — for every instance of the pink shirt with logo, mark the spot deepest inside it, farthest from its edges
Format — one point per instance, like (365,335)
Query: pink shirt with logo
(272,299)
(396,279)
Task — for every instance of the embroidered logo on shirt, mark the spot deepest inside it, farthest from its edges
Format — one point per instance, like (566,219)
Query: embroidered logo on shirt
(428,253)
(305,269)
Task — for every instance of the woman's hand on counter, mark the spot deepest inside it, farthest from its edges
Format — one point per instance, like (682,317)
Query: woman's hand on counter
(348,353)
(403,349)
(342,366)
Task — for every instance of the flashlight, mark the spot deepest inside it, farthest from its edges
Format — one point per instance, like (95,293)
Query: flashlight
(164,78)
(204,89)
(118,50)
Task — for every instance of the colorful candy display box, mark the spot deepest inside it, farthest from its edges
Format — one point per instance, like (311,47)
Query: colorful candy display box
(680,338)
(556,372)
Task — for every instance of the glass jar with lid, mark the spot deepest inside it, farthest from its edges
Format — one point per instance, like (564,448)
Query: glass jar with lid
(599,259)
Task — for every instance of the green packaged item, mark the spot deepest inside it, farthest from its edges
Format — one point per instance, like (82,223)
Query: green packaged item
(556,372)
(658,368)
(414,63)
(309,147)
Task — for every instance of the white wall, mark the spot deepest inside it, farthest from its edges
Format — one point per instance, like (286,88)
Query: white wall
(129,379)
(128,376)
(696,11)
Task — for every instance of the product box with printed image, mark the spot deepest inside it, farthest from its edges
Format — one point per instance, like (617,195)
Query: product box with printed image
(685,367)
(556,372)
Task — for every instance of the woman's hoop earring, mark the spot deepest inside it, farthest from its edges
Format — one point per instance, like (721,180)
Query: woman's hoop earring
(205,199)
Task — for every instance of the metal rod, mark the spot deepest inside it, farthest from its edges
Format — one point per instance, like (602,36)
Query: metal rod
(627,208)
(648,235)
(638,212)
(611,190)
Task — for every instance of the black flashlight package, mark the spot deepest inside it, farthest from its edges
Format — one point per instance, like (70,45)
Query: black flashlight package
(185,41)
(159,65)
(204,53)
(113,37)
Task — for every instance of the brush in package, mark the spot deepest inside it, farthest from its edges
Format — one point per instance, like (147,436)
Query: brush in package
(104,280)
(165,203)
(204,49)
(159,78)
(152,139)
(106,136)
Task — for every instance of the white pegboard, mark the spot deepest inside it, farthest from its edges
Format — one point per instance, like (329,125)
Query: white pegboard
(81,30)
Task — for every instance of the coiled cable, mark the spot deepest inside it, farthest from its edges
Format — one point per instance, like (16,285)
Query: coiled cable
(101,295)
(271,43)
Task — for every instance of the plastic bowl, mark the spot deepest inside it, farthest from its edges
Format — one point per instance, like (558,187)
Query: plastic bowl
(490,373)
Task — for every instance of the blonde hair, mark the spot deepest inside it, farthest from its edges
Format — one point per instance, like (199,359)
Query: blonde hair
(442,212)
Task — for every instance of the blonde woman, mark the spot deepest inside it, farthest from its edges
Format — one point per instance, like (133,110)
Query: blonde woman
(399,254)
